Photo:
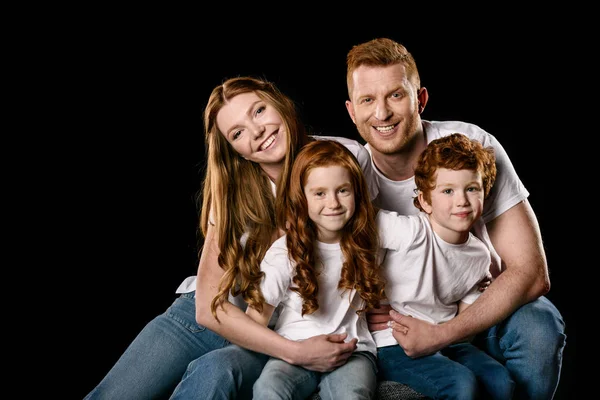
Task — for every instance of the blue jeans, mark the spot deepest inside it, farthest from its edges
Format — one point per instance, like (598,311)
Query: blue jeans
(529,343)
(154,363)
(460,371)
(227,373)
(356,379)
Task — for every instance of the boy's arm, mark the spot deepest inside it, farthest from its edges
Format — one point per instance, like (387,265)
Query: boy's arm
(516,237)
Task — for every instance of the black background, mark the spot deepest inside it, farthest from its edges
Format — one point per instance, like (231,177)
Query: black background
(138,91)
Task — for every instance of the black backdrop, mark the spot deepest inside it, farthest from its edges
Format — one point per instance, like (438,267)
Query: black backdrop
(141,152)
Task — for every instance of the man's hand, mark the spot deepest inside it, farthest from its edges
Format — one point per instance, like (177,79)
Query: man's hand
(324,353)
(417,338)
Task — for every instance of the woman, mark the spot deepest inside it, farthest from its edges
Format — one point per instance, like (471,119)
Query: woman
(252,134)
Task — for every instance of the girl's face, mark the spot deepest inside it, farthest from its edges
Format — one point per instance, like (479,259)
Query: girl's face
(330,197)
(254,129)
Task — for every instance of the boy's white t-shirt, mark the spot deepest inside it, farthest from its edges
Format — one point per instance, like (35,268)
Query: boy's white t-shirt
(337,308)
(425,276)
(508,190)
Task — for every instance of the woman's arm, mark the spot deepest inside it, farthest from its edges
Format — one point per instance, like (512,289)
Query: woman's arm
(263,317)
(320,353)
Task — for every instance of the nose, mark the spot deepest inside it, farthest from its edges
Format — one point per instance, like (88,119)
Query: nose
(462,198)
(333,202)
(257,130)
(382,110)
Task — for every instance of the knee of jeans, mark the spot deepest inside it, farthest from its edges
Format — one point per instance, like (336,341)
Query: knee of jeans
(465,387)
(539,323)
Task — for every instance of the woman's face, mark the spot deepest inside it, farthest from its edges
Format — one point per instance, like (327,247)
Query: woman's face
(254,129)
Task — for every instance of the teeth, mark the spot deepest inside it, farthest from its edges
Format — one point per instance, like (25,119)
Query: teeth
(267,142)
(384,128)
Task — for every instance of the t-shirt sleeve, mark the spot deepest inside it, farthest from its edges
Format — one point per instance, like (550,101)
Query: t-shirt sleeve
(508,190)
(278,273)
(396,232)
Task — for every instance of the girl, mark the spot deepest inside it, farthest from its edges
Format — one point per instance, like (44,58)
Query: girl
(325,274)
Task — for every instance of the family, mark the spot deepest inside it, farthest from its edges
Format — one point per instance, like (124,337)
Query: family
(328,266)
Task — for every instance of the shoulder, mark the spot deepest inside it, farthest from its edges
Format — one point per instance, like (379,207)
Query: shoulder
(438,129)
(353,145)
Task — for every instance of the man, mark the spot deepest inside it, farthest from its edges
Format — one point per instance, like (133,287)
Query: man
(513,320)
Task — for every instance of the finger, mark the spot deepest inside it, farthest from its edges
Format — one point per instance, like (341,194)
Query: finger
(379,318)
(337,337)
(396,316)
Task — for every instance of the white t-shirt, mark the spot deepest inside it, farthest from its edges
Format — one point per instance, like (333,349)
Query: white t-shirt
(507,191)
(426,276)
(363,157)
(337,308)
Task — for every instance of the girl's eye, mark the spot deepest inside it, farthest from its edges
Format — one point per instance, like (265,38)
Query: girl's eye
(259,110)
(236,134)
(447,191)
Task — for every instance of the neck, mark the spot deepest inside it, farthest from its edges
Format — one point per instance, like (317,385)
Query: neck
(273,171)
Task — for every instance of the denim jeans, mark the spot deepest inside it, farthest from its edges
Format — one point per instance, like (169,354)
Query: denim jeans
(356,379)
(154,363)
(459,371)
(529,343)
(226,373)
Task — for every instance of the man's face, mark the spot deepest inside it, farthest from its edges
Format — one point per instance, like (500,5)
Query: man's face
(384,106)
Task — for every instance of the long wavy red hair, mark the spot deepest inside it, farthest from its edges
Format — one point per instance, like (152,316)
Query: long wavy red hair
(359,243)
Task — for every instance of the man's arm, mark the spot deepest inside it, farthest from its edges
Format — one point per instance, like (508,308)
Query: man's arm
(516,237)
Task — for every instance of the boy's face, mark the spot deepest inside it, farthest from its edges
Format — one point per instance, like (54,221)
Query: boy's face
(456,203)
(330,199)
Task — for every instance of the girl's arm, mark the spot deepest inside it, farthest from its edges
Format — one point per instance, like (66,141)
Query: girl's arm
(320,353)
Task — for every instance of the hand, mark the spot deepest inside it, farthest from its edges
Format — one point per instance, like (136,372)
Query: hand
(417,338)
(485,282)
(378,318)
(324,353)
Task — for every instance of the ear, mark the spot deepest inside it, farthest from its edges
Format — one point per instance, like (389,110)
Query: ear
(426,206)
(423,97)
(350,108)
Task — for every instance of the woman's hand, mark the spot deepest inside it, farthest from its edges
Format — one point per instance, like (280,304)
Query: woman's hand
(324,353)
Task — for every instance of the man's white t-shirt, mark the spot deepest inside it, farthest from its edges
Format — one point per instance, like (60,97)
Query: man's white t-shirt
(507,191)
